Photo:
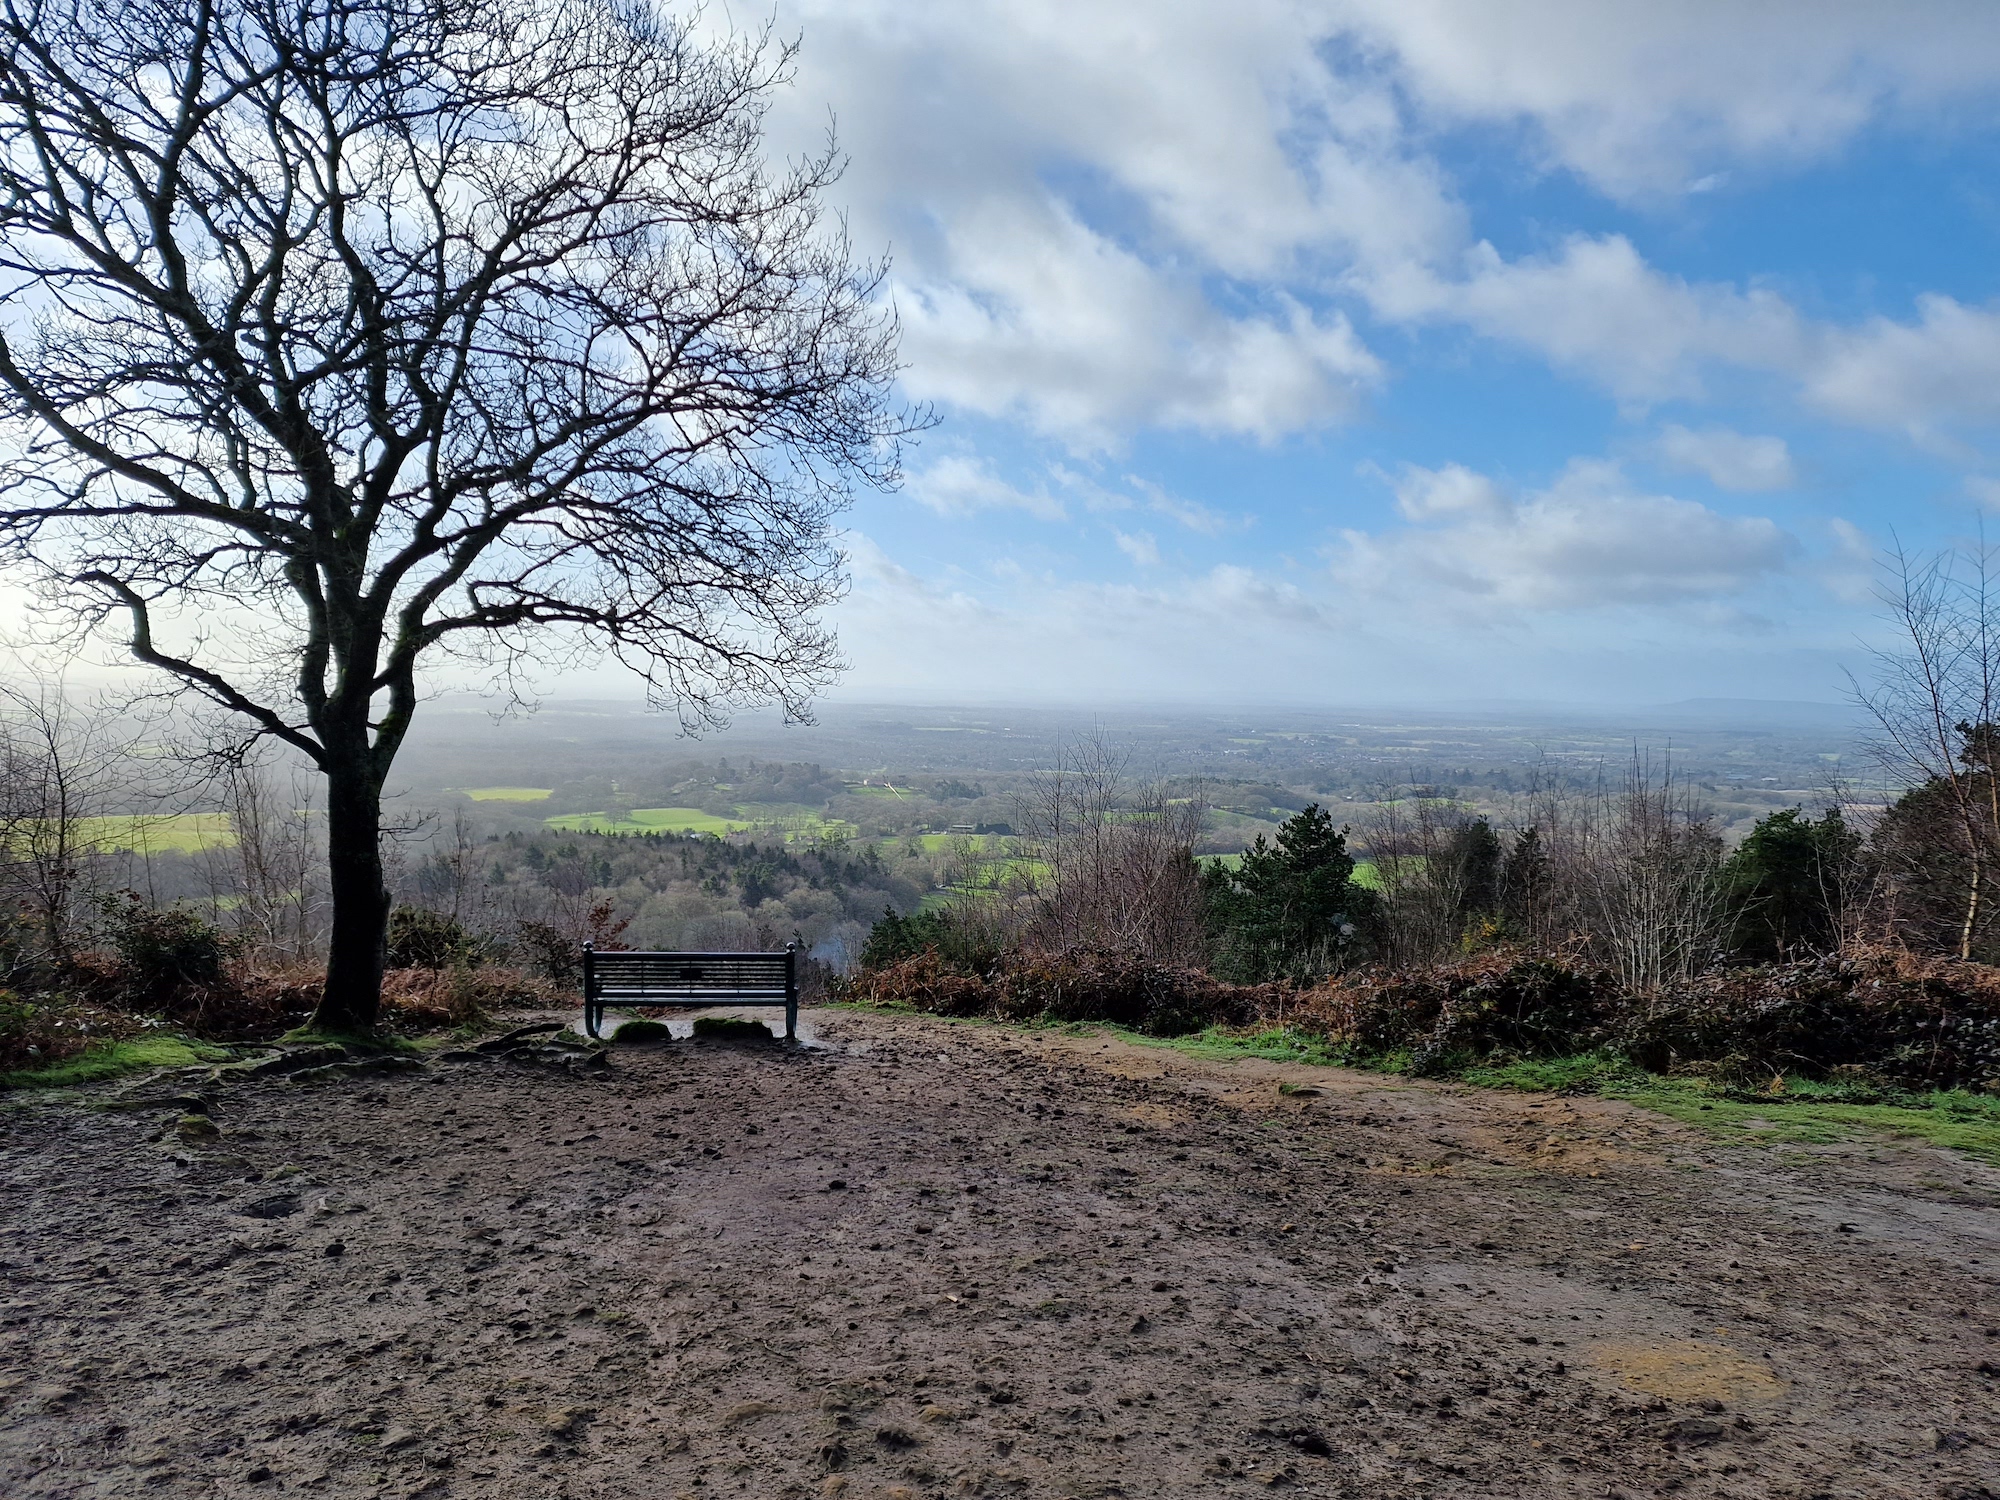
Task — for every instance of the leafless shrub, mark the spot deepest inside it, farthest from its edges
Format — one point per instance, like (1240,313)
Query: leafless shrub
(1436,865)
(269,882)
(60,770)
(1111,861)
(1934,702)
(1632,874)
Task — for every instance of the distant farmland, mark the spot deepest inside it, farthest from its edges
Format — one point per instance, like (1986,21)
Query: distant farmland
(650,820)
(175,833)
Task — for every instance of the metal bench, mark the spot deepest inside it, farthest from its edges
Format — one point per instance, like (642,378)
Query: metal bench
(695,979)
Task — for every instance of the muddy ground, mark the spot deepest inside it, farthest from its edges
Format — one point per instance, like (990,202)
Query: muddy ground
(926,1259)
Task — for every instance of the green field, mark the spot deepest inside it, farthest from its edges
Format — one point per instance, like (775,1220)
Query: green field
(171,833)
(650,820)
(792,826)
(506,793)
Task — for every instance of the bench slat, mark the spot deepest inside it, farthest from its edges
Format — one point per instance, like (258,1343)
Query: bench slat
(698,979)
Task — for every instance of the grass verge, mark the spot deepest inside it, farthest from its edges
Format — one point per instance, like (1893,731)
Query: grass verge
(1960,1121)
(1803,1113)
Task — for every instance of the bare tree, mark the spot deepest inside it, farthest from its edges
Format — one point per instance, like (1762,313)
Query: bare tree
(1934,702)
(273,868)
(1113,861)
(336,335)
(1630,869)
(60,768)
(1429,885)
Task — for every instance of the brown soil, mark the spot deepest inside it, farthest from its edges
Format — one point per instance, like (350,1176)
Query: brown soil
(927,1259)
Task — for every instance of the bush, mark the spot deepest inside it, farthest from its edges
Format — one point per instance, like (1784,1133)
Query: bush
(1499,1005)
(1083,984)
(1882,1019)
(960,944)
(163,952)
(1915,1022)
(557,956)
(415,998)
(43,1030)
(421,939)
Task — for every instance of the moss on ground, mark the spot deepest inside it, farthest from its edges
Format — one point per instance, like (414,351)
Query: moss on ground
(362,1042)
(115,1060)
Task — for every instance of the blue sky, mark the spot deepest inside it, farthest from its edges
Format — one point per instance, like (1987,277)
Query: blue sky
(1400,351)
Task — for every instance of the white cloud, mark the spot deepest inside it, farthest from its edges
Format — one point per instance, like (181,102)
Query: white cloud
(1731,460)
(1140,547)
(1921,376)
(1640,97)
(1597,307)
(1454,490)
(1188,513)
(961,484)
(1044,320)
(1109,217)
(1230,591)
(1243,635)
(980,132)
(1587,541)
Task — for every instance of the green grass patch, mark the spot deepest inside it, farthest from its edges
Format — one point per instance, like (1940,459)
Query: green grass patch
(1956,1120)
(992,845)
(166,833)
(650,820)
(506,793)
(115,1060)
(779,820)
(1273,1044)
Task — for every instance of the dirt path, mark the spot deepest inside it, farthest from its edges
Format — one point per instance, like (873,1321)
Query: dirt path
(932,1260)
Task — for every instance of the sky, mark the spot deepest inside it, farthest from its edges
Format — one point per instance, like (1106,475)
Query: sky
(1398,351)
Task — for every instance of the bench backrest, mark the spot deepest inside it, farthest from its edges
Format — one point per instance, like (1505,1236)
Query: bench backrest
(684,973)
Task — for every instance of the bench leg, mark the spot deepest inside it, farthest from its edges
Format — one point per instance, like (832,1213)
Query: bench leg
(792,1020)
(591,1015)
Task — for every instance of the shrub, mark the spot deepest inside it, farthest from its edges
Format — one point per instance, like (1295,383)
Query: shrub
(461,996)
(163,951)
(1918,1022)
(557,956)
(35,1032)
(421,939)
(959,943)
(1079,984)
(1498,1005)
(549,952)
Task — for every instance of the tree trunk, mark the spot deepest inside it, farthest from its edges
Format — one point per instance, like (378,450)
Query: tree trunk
(357,949)
(1971,913)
